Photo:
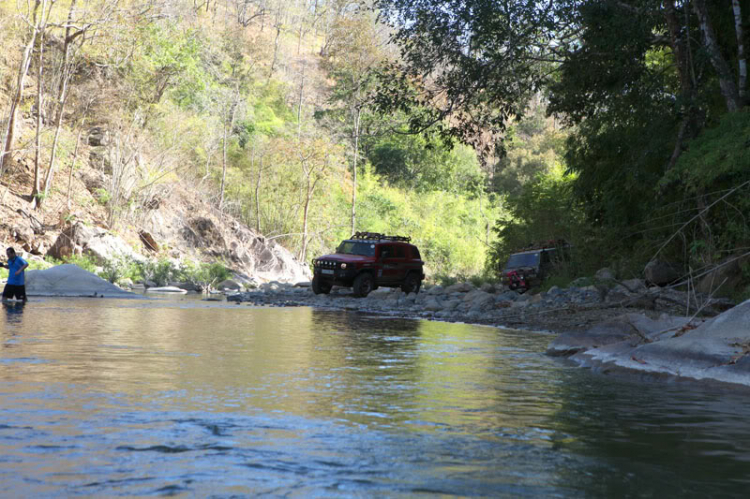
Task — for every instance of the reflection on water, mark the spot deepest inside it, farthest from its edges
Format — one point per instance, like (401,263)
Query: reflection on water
(101,397)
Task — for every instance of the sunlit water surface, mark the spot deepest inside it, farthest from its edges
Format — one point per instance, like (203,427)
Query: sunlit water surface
(106,398)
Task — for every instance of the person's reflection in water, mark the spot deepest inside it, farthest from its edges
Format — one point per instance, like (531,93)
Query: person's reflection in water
(14,311)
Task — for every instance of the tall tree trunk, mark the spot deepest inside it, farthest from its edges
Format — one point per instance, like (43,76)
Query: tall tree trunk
(355,167)
(62,95)
(275,53)
(679,40)
(742,83)
(23,70)
(72,165)
(308,199)
(223,168)
(258,180)
(39,104)
(726,79)
(228,123)
(299,103)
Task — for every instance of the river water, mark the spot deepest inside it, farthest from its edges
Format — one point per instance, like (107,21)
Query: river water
(182,397)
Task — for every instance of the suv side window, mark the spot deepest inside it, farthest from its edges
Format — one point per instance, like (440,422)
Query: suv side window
(400,253)
(386,251)
(415,253)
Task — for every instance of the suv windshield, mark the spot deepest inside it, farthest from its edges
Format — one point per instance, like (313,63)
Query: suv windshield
(352,248)
(522,260)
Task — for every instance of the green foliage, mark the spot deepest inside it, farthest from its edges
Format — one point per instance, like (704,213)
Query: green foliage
(123,267)
(160,271)
(451,230)
(533,147)
(204,274)
(83,261)
(422,163)
(481,79)
(163,271)
(102,196)
(170,62)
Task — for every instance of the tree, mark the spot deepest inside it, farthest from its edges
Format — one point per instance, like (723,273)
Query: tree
(78,25)
(473,64)
(353,55)
(34,20)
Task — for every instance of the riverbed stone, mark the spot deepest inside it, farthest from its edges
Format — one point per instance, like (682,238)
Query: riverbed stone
(661,273)
(432,304)
(507,296)
(604,274)
(229,285)
(635,285)
(460,287)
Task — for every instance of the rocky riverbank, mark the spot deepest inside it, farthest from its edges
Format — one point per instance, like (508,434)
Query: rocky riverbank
(559,310)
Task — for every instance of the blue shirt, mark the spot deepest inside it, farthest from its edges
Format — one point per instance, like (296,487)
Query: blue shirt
(14,264)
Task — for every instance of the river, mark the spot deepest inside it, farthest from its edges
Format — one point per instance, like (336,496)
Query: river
(184,397)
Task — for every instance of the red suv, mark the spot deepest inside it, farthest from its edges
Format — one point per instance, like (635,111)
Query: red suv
(368,260)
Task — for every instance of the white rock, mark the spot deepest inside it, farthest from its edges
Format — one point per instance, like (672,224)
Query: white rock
(167,290)
(71,280)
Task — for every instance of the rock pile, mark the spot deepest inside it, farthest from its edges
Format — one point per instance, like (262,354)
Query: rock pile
(496,305)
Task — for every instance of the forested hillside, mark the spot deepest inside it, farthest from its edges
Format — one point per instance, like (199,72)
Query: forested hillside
(264,109)
(653,97)
(474,127)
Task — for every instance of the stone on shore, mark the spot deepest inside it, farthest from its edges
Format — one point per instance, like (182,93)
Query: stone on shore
(71,281)
(167,290)
(718,349)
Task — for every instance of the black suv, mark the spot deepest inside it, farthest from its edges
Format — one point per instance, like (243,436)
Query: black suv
(368,260)
(529,268)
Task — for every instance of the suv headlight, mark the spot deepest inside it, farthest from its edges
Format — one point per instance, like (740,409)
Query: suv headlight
(343,265)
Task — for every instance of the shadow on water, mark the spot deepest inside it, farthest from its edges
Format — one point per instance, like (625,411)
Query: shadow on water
(13,311)
(651,438)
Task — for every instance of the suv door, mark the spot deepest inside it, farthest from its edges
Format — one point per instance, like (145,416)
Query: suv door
(388,264)
(547,261)
(398,263)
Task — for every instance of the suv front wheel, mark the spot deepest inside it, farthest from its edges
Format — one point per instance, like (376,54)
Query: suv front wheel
(412,283)
(363,284)
(319,287)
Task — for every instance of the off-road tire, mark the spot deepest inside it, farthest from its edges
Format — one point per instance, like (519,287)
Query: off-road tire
(363,284)
(412,283)
(320,287)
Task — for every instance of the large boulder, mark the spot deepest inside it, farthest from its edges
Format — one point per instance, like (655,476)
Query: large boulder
(71,241)
(105,246)
(718,349)
(724,279)
(604,274)
(229,285)
(632,328)
(71,280)
(99,244)
(661,273)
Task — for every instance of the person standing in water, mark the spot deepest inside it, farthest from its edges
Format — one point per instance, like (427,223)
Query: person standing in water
(16,285)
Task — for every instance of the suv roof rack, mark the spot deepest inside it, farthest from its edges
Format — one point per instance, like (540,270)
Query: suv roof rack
(375,236)
(551,244)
